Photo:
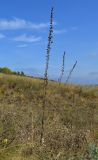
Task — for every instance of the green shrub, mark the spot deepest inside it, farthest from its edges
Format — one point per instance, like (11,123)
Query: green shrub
(5,70)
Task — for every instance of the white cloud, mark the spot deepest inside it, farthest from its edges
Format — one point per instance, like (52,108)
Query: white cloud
(27,38)
(20,24)
(2,36)
(60,31)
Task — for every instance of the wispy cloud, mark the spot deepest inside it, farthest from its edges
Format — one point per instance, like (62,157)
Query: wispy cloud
(60,31)
(16,23)
(22,46)
(93,54)
(27,38)
(94,73)
(2,36)
(74,28)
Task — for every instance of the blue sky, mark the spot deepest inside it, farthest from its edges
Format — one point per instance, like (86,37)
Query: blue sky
(24,26)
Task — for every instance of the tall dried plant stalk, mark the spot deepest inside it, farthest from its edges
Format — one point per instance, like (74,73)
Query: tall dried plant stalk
(70,73)
(50,37)
(62,70)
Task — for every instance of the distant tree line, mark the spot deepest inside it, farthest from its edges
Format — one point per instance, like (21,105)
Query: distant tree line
(6,70)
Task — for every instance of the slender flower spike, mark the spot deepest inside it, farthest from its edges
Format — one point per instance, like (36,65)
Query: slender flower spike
(70,73)
(50,41)
(62,70)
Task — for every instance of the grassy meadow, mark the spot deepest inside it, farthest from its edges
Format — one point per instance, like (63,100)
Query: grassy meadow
(70,121)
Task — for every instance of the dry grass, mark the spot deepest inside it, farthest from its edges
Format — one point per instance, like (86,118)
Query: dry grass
(71,121)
